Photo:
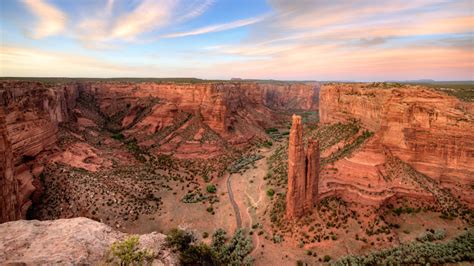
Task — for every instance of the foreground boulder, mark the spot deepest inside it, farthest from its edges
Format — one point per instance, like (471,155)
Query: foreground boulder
(69,241)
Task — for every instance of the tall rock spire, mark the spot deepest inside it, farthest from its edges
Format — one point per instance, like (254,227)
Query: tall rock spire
(303,172)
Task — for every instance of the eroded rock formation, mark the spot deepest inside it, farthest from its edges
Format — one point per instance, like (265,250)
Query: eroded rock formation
(235,111)
(69,242)
(30,113)
(426,129)
(8,185)
(200,120)
(303,172)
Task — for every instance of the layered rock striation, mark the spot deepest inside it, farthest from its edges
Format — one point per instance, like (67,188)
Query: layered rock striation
(201,120)
(29,116)
(426,129)
(303,172)
(235,111)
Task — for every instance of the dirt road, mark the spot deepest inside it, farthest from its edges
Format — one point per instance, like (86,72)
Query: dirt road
(238,218)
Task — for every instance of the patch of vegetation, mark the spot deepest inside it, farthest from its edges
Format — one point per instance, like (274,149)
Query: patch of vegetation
(127,252)
(222,251)
(460,92)
(432,235)
(347,149)
(211,188)
(271,130)
(275,134)
(267,144)
(193,197)
(457,250)
(270,192)
(118,136)
(400,210)
(278,165)
(329,135)
(464,90)
(277,212)
(243,162)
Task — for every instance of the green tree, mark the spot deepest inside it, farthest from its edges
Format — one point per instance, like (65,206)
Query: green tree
(211,188)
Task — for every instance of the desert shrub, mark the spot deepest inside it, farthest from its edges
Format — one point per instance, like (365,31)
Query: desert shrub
(127,252)
(277,239)
(326,258)
(200,254)
(236,251)
(205,234)
(211,188)
(431,236)
(221,252)
(278,210)
(118,136)
(193,197)
(219,238)
(243,162)
(179,239)
(270,192)
(267,143)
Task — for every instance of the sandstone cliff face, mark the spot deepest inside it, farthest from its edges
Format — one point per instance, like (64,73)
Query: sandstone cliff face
(69,242)
(8,186)
(236,112)
(217,103)
(303,173)
(183,120)
(429,130)
(30,114)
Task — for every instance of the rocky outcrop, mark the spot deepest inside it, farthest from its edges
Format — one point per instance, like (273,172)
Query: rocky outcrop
(303,172)
(69,242)
(30,112)
(427,129)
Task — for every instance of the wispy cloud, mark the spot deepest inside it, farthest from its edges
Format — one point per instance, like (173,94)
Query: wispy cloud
(109,21)
(150,14)
(216,28)
(51,20)
(195,10)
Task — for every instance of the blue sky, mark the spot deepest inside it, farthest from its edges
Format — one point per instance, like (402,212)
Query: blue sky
(221,39)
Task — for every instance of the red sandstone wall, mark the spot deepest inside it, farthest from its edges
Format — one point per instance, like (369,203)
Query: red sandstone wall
(30,113)
(236,111)
(428,129)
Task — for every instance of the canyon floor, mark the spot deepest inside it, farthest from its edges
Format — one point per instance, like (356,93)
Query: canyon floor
(109,183)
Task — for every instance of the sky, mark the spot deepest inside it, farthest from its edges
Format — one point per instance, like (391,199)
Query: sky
(360,40)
